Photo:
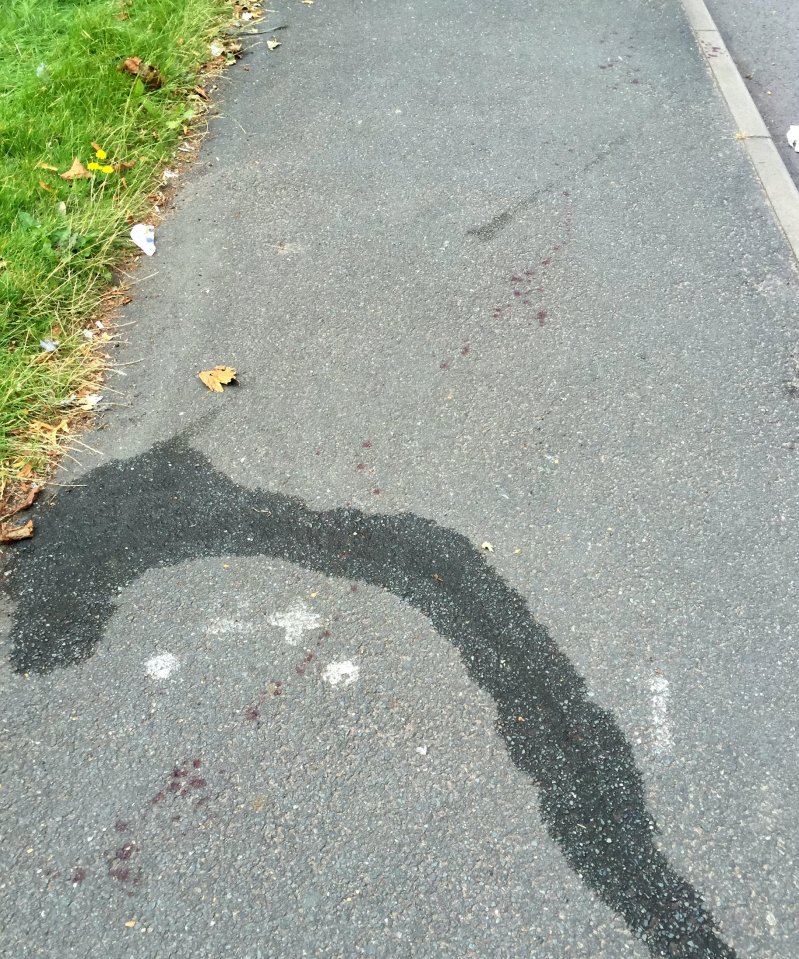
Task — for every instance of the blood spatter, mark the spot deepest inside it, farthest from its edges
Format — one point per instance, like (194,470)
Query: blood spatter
(126,852)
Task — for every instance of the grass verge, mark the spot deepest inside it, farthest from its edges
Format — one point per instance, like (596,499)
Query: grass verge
(63,97)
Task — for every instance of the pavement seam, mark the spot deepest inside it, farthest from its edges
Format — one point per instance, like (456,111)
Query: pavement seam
(774,176)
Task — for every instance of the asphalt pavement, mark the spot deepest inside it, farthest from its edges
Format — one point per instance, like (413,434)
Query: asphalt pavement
(763,39)
(464,625)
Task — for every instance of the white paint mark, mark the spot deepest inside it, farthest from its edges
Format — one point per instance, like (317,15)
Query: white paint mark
(661,694)
(422,750)
(161,666)
(341,674)
(219,625)
(296,620)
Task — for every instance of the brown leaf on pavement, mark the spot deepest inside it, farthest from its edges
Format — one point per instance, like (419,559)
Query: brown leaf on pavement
(217,378)
(10,534)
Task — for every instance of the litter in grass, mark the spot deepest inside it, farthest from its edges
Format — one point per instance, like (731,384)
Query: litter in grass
(143,235)
(49,346)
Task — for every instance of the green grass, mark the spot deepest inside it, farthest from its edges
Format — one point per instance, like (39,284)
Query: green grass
(60,90)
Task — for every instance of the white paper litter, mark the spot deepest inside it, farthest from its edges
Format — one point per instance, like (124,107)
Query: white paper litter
(49,346)
(143,235)
(793,136)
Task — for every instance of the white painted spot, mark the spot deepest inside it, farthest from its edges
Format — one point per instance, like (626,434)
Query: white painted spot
(221,625)
(341,674)
(296,620)
(661,723)
(161,666)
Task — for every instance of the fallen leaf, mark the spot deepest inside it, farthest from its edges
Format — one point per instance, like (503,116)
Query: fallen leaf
(487,547)
(218,377)
(47,166)
(131,923)
(200,92)
(149,75)
(740,135)
(76,172)
(272,44)
(131,65)
(89,402)
(24,503)
(46,186)
(10,534)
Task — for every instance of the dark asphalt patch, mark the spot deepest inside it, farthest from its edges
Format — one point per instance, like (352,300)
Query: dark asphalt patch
(169,505)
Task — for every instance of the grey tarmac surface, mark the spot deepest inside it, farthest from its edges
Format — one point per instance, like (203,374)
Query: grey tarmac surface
(763,39)
(322,772)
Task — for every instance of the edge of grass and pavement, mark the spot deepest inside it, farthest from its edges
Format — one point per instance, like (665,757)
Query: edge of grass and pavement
(95,98)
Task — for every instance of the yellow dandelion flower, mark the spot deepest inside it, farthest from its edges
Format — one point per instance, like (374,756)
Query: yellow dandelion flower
(100,154)
(106,168)
(93,166)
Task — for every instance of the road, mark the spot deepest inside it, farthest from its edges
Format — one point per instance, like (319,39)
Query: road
(465,624)
(764,42)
